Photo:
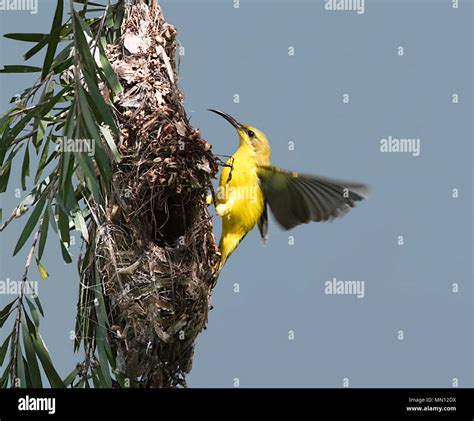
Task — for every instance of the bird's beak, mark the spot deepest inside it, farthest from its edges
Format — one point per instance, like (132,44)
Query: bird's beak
(230,119)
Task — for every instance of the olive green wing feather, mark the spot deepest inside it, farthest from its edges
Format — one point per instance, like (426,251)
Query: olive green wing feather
(298,198)
(263,224)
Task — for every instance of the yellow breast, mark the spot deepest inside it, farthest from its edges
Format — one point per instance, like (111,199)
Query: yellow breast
(240,190)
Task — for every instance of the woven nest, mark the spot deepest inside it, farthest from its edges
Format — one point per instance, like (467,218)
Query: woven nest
(156,252)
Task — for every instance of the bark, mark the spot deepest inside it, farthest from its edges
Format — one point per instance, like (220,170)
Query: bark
(156,252)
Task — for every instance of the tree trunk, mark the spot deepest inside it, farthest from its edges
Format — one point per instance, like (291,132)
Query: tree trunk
(156,252)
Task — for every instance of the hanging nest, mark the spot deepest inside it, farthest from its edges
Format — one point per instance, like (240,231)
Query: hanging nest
(155,253)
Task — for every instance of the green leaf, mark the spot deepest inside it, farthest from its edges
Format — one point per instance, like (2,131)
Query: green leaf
(43,159)
(65,253)
(81,384)
(10,134)
(5,375)
(5,177)
(43,273)
(119,15)
(121,379)
(70,378)
(38,304)
(54,38)
(89,3)
(8,161)
(43,234)
(41,128)
(110,141)
(80,224)
(62,31)
(101,334)
(40,123)
(45,359)
(98,379)
(110,75)
(87,62)
(89,175)
(100,156)
(35,193)
(60,66)
(26,37)
(25,168)
(31,224)
(70,123)
(52,218)
(30,324)
(109,20)
(20,69)
(33,311)
(32,362)
(66,175)
(63,224)
(38,111)
(5,312)
(20,368)
(98,105)
(4,348)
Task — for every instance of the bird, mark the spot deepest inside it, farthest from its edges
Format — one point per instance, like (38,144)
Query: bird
(249,184)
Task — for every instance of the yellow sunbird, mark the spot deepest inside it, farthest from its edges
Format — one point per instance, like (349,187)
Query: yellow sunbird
(249,183)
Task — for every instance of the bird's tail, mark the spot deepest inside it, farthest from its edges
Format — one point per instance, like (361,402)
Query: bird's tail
(227,245)
(221,262)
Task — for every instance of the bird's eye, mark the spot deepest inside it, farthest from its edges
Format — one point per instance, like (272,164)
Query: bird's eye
(251,133)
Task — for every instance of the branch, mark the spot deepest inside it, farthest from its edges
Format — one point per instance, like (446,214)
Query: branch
(19,305)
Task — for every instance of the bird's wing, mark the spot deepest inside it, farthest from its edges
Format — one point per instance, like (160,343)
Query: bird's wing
(298,198)
(263,224)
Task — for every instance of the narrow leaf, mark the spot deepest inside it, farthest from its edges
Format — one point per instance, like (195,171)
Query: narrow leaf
(54,39)
(38,304)
(63,224)
(89,3)
(5,375)
(110,75)
(65,253)
(30,225)
(87,61)
(43,234)
(90,178)
(81,225)
(41,127)
(43,159)
(4,348)
(33,311)
(70,378)
(32,362)
(110,141)
(20,368)
(5,312)
(43,273)
(26,37)
(20,69)
(45,359)
(25,167)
